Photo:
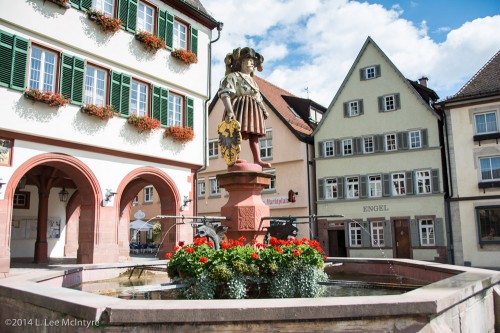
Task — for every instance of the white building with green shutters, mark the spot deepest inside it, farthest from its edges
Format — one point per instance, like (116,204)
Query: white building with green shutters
(68,174)
(378,164)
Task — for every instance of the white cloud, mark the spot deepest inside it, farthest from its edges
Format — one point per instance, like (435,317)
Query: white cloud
(314,43)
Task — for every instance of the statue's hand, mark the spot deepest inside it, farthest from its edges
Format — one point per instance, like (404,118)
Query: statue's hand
(266,114)
(229,115)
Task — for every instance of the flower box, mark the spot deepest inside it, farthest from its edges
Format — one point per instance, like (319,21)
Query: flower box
(104,112)
(179,133)
(185,56)
(143,123)
(106,22)
(47,97)
(150,41)
(62,3)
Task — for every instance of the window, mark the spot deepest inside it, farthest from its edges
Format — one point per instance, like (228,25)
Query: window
(180,36)
(488,221)
(368,145)
(352,187)
(390,142)
(389,102)
(95,86)
(375,186)
(136,200)
(398,184)
(486,123)
(138,99)
(490,168)
(369,72)
(175,108)
(148,194)
(214,186)
(354,108)
(426,227)
(423,182)
(21,200)
(354,234)
(201,187)
(377,229)
(272,184)
(329,148)
(331,188)
(347,147)
(415,140)
(266,144)
(145,16)
(42,69)
(105,6)
(213,148)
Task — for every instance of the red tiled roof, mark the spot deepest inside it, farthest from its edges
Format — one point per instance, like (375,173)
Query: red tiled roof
(273,95)
(485,82)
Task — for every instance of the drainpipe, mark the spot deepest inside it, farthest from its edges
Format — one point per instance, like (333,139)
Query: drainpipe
(205,119)
(451,250)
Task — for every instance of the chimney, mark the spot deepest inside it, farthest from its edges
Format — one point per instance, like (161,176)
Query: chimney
(423,81)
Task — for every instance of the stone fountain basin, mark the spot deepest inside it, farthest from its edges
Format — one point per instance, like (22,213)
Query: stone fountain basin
(455,299)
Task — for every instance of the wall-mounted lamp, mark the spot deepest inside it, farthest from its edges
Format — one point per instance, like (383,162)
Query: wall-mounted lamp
(63,195)
(291,195)
(109,195)
(22,183)
(185,202)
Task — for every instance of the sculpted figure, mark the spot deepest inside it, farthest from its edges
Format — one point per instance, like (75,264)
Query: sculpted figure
(242,102)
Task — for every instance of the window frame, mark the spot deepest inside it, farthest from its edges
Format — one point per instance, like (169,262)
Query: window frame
(347,148)
(102,9)
(431,230)
(413,140)
(106,84)
(55,73)
(427,181)
(146,95)
(365,151)
(490,238)
(26,201)
(355,230)
(175,38)
(266,145)
(329,148)
(214,191)
(491,171)
(272,183)
(485,123)
(377,233)
(171,118)
(213,148)
(377,187)
(396,190)
(352,187)
(393,144)
(153,17)
(331,188)
(201,189)
(148,197)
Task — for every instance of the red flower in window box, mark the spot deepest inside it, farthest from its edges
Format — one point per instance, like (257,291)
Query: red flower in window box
(180,133)
(185,56)
(104,112)
(106,22)
(143,123)
(151,42)
(47,97)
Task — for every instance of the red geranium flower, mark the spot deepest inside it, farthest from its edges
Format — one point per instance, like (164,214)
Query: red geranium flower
(255,256)
(204,260)
(168,255)
(181,243)
(190,250)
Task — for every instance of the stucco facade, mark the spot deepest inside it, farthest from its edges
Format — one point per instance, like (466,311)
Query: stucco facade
(378,164)
(102,164)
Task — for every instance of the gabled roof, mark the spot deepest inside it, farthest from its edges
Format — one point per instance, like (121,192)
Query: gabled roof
(293,111)
(195,10)
(408,83)
(485,83)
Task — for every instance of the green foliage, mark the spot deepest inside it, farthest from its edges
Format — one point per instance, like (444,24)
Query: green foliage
(288,268)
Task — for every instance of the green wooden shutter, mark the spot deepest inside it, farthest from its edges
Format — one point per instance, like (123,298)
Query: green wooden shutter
(363,187)
(340,187)
(397,100)
(13,61)
(425,137)
(381,104)
(162,25)
(321,188)
(410,188)
(439,232)
(72,76)
(194,40)
(337,148)
(169,30)
(155,103)
(386,185)
(321,151)
(160,104)
(361,108)
(347,235)
(357,146)
(366,237)
(127,12)
(346,110)
(414,233)
(81,4)
(387,234)
(435,180)
(120,92)
(189,112)
(362,74)
(377,70)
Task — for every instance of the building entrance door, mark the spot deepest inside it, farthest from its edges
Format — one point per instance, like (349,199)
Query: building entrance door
(402,238)
(336,243)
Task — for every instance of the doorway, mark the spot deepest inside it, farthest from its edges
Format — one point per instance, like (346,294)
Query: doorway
(336,243)
(402,238)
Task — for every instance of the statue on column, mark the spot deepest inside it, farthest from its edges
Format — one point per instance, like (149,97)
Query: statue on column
(244,112)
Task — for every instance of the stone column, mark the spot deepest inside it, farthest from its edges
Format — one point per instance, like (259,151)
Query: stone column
(41,246)
(245,207)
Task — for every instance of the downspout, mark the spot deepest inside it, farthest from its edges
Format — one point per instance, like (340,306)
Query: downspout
(205,119)
(451,250)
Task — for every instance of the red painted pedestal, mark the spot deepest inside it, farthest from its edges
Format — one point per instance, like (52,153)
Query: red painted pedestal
(245,207)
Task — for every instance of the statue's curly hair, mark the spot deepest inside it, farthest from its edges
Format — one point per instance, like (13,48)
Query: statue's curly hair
(233,60)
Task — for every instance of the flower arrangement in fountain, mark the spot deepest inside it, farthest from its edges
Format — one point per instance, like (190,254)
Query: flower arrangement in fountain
(143,123)
(150,41)
(47,97)
(106,22)
(104,112)
(280,269)
(185,56)
(181,134)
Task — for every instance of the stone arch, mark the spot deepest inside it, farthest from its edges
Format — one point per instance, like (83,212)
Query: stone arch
(132,183)
(90,193)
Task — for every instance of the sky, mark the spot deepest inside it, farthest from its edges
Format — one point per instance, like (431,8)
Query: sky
(310,45)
